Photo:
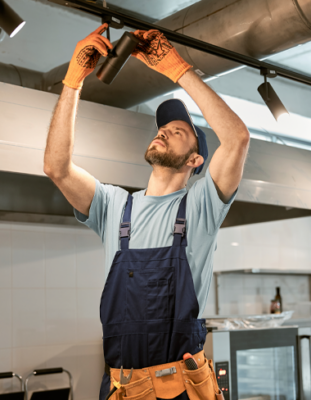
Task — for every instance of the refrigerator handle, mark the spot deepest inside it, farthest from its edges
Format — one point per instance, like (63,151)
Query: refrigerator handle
(304,367)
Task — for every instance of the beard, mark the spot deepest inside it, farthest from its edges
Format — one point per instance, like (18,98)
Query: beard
(169,159)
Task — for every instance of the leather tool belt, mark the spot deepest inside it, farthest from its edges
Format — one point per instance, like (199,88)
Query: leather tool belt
(167,381)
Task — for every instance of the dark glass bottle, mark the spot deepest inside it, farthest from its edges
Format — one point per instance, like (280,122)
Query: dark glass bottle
(278,300)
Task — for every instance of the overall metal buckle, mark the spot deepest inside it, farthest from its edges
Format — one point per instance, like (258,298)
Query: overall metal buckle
(180,228)
(125,228)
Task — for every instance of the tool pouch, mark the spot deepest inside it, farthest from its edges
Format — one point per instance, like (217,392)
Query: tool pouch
(201,383)
(139,388)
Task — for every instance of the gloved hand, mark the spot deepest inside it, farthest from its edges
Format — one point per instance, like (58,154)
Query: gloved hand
(86,56)
(158,54)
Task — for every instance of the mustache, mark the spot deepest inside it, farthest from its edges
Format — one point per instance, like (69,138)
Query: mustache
(160,140)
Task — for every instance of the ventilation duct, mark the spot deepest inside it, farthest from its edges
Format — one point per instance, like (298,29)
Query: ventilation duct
(258,29)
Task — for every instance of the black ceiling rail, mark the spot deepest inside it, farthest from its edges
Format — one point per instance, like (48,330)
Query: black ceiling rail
(132,22)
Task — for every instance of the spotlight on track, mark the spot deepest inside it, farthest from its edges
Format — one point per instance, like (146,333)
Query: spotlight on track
(10,22)
(271,99)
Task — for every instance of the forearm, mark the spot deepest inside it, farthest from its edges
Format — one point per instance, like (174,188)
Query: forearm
(60,140)
(225,123)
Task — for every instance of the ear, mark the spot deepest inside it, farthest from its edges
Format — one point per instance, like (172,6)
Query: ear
(195,160)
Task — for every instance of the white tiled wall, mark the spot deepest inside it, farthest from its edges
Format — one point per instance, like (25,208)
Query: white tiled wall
(269,245)
(251,294)
(51,279)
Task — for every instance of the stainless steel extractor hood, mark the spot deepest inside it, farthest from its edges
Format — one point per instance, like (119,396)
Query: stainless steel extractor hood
(110,144)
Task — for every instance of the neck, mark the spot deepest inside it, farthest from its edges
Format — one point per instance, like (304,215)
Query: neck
(164,181)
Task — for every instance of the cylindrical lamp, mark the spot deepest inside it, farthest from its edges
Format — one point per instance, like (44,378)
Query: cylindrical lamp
(10,22)
(117,57)
(272,100)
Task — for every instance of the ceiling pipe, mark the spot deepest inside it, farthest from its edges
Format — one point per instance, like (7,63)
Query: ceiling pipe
(14,75)
(256,29)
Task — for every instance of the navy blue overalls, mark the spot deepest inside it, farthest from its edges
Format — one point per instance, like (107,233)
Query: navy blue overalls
(149,308)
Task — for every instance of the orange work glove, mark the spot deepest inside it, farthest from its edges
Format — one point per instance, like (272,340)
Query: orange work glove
(85,57)
(158,54)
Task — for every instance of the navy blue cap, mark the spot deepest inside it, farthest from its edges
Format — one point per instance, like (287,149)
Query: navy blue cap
(176,110)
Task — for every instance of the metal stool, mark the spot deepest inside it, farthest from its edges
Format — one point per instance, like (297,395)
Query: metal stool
(12,395)
(59,394)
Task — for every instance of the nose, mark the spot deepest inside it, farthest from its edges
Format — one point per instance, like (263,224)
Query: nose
(162,134)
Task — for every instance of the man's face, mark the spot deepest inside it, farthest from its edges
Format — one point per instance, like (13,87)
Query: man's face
(172,146)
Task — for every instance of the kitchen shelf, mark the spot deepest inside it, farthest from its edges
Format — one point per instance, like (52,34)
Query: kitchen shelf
(254,271)
(265,271)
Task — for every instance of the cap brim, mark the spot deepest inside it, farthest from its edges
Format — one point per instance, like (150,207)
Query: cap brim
(173,110)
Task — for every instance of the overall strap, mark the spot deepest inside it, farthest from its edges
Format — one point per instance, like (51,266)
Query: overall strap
(125,226)
(180,234)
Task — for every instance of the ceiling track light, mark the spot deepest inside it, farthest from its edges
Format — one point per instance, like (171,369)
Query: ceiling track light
(10,22)
(269,96)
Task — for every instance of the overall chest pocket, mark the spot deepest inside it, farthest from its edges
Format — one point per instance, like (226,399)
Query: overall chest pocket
(150,293)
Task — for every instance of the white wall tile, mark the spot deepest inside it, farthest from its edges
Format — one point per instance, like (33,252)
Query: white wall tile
(28,317)
(231,282)
(27,259)
(26,359)
(90,261)
(91,368)
(61,316)
(252,283)
(6,366)
(89,325)
(60,260)
(6,318)
(6,360)
(5,259)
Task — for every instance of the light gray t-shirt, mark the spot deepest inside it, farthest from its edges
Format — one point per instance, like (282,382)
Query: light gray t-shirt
(152,225)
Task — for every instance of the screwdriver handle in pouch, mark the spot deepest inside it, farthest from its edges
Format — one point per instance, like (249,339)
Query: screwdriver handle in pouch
(190,361)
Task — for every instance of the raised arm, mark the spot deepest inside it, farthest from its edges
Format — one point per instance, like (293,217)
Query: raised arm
(226,166)
(77,185)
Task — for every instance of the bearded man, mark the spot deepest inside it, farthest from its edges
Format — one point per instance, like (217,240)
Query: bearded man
(159,242)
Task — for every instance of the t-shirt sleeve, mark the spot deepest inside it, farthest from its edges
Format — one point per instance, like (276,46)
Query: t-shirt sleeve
(211,208)
(98,210)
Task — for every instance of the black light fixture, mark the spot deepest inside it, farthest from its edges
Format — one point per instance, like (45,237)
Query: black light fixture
(118,56)
(269,96)
(10,22)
